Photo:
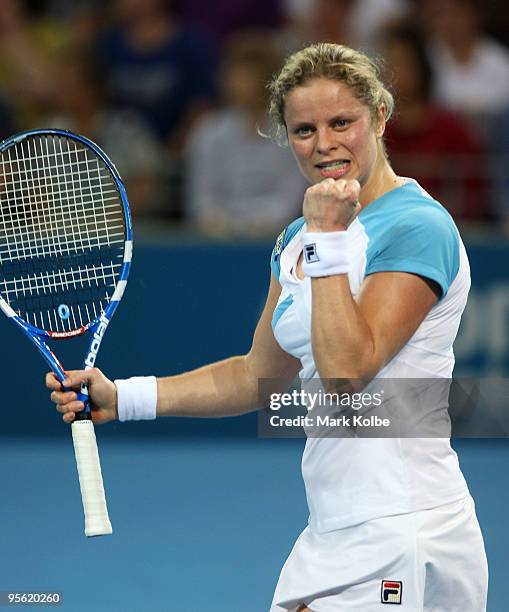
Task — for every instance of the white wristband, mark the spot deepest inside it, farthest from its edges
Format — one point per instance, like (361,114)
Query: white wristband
(325,253)
(136,398)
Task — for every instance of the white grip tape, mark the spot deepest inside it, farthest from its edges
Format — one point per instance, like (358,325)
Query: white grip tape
(97,521)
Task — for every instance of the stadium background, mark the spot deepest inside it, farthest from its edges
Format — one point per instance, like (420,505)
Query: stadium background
(204,512)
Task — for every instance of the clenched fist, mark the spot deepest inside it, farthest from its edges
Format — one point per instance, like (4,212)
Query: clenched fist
(331,205)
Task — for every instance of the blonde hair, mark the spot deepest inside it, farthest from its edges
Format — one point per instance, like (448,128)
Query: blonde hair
(335,62)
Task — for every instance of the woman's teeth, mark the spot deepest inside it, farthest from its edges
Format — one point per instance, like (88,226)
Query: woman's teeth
(334,165)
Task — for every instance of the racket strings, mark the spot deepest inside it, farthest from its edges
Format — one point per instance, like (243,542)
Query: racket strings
(40,290)
(46,282)
(43,214)
(34,245)
(62,232)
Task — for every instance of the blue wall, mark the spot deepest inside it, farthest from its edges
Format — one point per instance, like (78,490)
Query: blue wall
(189,304)
(482,346)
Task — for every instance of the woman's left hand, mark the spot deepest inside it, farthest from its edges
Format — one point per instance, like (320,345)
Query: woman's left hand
(331,205)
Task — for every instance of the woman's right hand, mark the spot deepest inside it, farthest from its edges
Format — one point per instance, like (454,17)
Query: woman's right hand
(101,390)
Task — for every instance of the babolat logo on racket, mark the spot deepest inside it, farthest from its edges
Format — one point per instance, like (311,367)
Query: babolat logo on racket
(392,591)
(96,342)
(310,253)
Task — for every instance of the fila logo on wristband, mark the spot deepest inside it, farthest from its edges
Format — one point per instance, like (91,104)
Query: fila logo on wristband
(325,253)
(310,253)
(391,591)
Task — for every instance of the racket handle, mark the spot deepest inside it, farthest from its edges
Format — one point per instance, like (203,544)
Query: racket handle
(97,521)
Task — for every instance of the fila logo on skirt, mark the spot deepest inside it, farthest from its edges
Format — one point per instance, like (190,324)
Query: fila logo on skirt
(391,591)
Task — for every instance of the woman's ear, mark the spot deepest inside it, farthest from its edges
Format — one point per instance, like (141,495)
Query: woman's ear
(380,124)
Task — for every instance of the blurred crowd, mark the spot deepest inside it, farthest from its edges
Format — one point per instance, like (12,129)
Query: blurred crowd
(175,92)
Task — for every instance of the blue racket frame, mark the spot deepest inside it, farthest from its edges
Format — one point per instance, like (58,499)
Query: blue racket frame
(98,326)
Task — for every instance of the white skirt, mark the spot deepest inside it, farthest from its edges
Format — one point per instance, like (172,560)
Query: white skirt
(428,561)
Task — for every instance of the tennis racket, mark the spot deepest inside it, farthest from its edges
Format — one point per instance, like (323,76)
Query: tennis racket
(65,254)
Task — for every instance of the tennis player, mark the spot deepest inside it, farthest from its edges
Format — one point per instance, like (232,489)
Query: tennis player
(370,282)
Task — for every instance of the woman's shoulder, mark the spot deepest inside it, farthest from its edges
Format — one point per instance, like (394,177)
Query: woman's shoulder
(408,210)
(419,206)
(409,199)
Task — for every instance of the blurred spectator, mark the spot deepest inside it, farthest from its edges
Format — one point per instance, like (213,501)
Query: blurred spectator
(6,124)
(82,18)
(237,180)
(123,134)
(369,18)
(228,16)
(496,20)
(427,142)
(498,131)
(472,69)
(353,22)
(310,21)
(157,66)
(29,46)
